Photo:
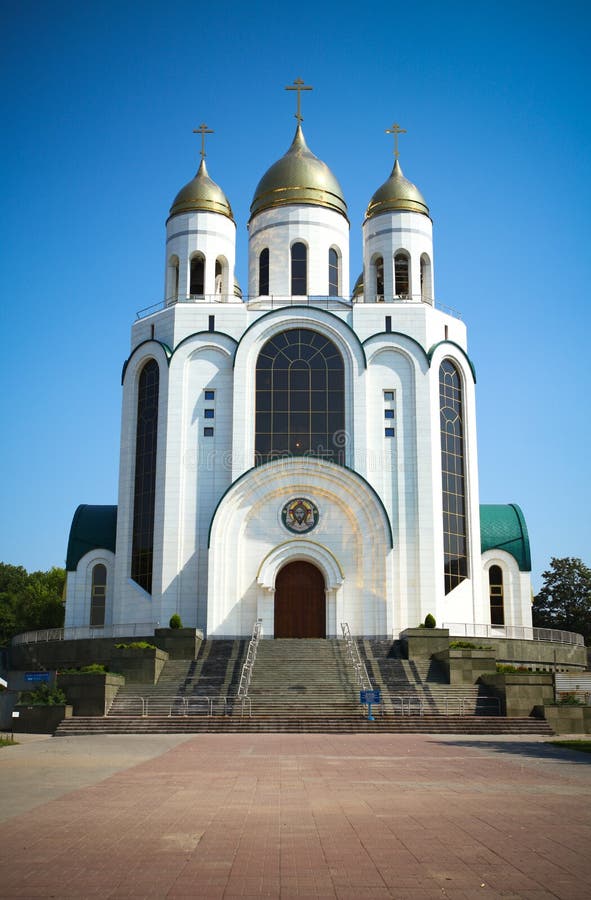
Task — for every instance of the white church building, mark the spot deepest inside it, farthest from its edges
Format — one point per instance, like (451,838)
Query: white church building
(305,454)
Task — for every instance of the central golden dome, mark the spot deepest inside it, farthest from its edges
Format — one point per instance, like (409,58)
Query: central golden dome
(298,177)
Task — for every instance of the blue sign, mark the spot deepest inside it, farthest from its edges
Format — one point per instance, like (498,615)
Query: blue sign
(370,696)
(36,676)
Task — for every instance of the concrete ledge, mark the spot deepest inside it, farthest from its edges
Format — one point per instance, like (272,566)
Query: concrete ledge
(139,666)
(90,694)
(566,719)
(179,643)
(39,719)
(519,692)
(423,643)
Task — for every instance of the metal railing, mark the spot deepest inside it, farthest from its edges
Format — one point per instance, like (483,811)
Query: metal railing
(276,301)
(181,705)
(80,632)
(361,675)
(514,632)
(409,705)
(251,655)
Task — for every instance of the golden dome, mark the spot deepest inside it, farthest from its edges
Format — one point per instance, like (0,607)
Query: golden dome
(298,177)
(201,193)
(397,193)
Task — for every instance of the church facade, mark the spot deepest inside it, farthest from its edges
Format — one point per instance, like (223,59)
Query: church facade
(306,455)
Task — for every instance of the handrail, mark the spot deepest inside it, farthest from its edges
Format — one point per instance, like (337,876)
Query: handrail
(251,655)
(359,667)
(514,632)
(80,632)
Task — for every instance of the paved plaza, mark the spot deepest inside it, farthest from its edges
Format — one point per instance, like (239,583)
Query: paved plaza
(257,815)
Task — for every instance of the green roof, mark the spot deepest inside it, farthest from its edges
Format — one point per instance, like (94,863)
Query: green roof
(93,528)
(502,527)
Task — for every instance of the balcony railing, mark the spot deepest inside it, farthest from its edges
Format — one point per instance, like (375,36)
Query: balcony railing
(279,301)
(79,632)
(514,632)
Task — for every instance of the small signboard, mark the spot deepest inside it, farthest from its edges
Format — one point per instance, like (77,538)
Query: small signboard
(370,696)
(36,676)
(15,714)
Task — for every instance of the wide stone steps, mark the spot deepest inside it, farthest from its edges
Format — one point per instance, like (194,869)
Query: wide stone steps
(461,725)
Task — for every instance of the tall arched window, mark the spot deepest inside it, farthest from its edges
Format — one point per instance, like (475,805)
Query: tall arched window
(98,596)
(197,280)
(379,267)
(219,277)
(172,287)
(333,273)
(402,274)
(299,269)
(300,398)
(426,281)
(142,550)
(496,594)
(455,538)
(264,272)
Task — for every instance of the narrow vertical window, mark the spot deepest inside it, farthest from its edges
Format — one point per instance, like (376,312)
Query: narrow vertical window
(197,280)
(333,273)
(211,323)
(401,275)
(426,282)
(299,270)
(264,272)
(142,551)
(496,593)
(172,286)
(455,538)
(219,277)
(98,596)
(388,324)
(379,266)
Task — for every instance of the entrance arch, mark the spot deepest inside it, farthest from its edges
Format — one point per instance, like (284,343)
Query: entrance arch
(300,601)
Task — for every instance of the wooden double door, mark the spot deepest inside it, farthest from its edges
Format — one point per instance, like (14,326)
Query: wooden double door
(300,601)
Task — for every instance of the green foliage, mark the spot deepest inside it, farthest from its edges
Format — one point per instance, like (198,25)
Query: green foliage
(564,600)
(430,621)
(92,669)
(29,600)
(570,700)
(467,645)
(136,645)
(583,746)
(175,621)
(44,695)
(8,741)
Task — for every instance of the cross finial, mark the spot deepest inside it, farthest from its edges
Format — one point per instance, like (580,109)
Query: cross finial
(203,130)
(396,130)
(299,86)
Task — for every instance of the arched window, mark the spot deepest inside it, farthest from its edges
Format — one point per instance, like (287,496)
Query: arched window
(299,269)
(455,538)
(264,272)
(300,398)
(219,277)
(98,596)
(379,267)
(197,280)
(401,275)
(142,551)
(333,273)
(496,593)
(426,281)
(172,285)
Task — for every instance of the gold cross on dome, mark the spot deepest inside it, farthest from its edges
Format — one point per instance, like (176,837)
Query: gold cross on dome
(299,86)
(203,130)
(396,130)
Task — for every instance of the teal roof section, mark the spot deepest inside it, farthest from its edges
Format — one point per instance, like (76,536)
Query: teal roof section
(502,527)
(93,528)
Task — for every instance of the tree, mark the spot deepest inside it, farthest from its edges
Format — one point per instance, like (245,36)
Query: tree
(29,601)
(565,598)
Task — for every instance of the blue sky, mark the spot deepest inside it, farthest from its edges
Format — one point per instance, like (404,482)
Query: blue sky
(98,104)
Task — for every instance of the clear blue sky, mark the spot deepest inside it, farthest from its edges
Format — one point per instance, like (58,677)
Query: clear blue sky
(98,104)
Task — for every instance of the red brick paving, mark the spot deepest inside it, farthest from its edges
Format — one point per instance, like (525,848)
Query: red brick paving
(286,816)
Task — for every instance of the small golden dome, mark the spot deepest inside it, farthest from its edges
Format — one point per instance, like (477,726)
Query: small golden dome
(201,193)
(298,177)
(397,193)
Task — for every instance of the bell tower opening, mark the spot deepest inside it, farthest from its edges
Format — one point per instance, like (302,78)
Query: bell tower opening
(300,601)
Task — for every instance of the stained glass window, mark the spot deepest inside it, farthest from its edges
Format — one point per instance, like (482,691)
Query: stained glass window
(455,538)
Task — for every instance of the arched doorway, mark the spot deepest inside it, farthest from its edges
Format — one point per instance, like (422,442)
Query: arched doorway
(300,601)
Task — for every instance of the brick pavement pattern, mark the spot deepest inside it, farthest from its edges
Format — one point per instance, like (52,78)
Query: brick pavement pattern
(347,816)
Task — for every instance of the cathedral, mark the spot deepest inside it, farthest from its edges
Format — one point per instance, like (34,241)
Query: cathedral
(305,453)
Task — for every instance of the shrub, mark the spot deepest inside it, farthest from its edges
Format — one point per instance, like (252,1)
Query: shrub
(467,645)
(136,645)
(92,669)
(570,700)
(430,621)
(44,696)
(175,621)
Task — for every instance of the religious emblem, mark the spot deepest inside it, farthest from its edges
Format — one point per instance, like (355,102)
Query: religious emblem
(300,515)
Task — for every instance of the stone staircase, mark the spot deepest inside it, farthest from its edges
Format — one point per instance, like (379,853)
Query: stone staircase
(299,686)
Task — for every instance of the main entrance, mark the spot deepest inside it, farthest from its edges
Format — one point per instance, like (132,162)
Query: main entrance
(300,601)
